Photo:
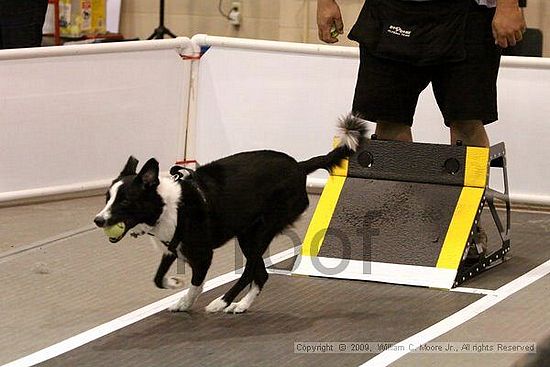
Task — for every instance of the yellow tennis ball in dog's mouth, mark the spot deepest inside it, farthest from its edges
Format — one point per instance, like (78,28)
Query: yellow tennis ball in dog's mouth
(115,232)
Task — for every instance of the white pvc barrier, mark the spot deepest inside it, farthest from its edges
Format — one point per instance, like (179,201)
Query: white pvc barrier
(70,116)
(286,96)
(270,95)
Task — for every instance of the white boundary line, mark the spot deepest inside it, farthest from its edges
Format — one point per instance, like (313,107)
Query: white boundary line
(131,318)
(279,271)
(487,292)
(391,355)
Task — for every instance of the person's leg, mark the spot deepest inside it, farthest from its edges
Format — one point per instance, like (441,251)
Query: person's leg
(387,93)
(393,131)
(467,95)
(471,132)
(466,91)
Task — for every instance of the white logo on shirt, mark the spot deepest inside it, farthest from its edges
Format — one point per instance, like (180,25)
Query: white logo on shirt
(399,31)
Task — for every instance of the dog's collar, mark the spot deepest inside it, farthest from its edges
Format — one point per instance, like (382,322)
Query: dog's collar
(178,175)
(171,245)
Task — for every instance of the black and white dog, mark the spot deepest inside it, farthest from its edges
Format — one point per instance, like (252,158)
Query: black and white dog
(252,196)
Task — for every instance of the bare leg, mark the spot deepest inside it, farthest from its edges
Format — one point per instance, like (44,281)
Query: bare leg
(393,131)
(471,133)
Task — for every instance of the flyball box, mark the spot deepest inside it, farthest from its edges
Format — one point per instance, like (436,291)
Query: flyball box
(406,213)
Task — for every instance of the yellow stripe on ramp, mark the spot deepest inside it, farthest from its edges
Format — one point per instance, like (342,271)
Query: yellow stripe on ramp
(341,170)
(460,227)
(476,166)
(325,209)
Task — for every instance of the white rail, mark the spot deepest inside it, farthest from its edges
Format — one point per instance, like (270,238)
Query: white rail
(186,46)
(331,50)
(182,44)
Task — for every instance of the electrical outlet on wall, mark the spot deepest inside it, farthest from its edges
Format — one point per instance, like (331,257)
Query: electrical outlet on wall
(235,15)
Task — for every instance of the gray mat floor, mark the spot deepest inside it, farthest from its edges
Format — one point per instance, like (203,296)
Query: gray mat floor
(291,310)
(61,277)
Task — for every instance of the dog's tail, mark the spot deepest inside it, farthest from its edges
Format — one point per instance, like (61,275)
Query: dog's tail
(352,131)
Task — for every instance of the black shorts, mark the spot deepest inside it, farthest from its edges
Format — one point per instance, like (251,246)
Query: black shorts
(388,90)
(21,23)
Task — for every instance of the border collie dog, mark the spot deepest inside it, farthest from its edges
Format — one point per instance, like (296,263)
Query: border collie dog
(252,196)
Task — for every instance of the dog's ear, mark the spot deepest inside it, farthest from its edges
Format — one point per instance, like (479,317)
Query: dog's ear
(130,167)
(149,174)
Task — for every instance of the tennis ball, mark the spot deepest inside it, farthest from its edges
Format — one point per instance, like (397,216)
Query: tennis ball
(115,231)
(334,32)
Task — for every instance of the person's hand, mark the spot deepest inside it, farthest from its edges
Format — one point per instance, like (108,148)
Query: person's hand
(508,23)
(329,20)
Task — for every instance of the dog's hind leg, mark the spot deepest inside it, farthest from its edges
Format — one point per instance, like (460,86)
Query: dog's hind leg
(199,267)
(255,244)
(246,243)
(260,278)
(283,212)
(222,302)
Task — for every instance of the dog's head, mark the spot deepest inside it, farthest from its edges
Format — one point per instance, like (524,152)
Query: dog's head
(132,198)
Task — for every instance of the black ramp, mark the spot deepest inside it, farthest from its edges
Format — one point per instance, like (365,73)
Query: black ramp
(400,213)
(412,162)
(292,309)
(387,221)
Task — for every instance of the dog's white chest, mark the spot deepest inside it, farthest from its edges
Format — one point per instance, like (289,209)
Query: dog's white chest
(170,192)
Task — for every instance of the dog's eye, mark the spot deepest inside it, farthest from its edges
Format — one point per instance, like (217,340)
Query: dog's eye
(125,203)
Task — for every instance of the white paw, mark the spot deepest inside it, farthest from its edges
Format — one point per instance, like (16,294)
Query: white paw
(173,283)
(236,307)
(183,304)
(216,305)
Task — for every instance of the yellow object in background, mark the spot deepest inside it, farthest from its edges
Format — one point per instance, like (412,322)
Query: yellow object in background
(99,18)
(79,18)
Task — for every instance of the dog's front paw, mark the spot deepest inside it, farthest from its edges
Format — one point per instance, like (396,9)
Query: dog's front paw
(172,283)
(236,307)
(216,305)
(184,304)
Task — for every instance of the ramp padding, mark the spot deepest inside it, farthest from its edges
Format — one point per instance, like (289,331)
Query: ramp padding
(399,213)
